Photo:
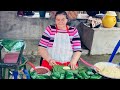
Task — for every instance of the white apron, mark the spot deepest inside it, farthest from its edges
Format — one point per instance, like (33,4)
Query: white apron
(61,50)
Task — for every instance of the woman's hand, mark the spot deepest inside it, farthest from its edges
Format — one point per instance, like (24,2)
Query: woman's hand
(74,60)
(52,62)
(73,65)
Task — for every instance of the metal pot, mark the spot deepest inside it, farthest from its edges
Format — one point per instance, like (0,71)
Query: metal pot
(109,74)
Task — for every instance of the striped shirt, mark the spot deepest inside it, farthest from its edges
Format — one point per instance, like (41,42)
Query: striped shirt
(47,38)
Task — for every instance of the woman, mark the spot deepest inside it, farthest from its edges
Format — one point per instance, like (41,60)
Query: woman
(60,44)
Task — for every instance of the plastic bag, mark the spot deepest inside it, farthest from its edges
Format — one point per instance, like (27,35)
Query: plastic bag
(11,45)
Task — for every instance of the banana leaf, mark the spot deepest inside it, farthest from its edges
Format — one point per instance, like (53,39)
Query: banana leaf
(58,68)
(69,75)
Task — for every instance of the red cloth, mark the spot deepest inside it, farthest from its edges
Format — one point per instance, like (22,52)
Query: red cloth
(11,57)
(46,64)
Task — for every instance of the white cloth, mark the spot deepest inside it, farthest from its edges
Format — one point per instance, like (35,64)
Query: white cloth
(62,48)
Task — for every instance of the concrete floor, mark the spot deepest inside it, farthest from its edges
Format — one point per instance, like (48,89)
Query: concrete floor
(92,59)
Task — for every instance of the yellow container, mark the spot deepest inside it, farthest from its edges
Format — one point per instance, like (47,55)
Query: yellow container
(108,21)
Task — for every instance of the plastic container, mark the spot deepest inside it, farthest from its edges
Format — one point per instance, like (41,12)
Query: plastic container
(109,21)
(48,73)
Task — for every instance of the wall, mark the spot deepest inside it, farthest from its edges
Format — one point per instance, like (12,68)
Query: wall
(100,40)
(28,29)
(104,40)
(12,26)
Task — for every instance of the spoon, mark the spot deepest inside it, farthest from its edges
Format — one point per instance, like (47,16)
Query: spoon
(88,64)
(32,65)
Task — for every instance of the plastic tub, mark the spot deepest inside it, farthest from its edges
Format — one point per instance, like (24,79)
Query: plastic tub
(41,67)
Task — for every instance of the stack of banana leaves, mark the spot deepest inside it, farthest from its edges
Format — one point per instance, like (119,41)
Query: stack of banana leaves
(59,72)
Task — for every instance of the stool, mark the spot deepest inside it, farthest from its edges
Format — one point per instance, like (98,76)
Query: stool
(11,61)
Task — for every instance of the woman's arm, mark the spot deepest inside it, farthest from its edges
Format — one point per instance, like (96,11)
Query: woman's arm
(74,60)
(44,53)
(43,44)
(76,44)
(76,56)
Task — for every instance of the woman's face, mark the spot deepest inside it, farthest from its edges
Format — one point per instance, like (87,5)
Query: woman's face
(61,20)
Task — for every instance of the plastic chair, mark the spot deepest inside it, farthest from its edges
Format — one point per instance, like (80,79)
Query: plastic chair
(11,61)
(114,51)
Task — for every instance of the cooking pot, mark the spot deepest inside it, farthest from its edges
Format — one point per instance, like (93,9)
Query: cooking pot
(108,70)
(101,66)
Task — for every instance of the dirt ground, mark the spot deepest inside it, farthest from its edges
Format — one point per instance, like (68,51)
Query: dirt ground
(92,59)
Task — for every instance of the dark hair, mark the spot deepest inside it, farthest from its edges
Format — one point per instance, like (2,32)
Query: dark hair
(61,12)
